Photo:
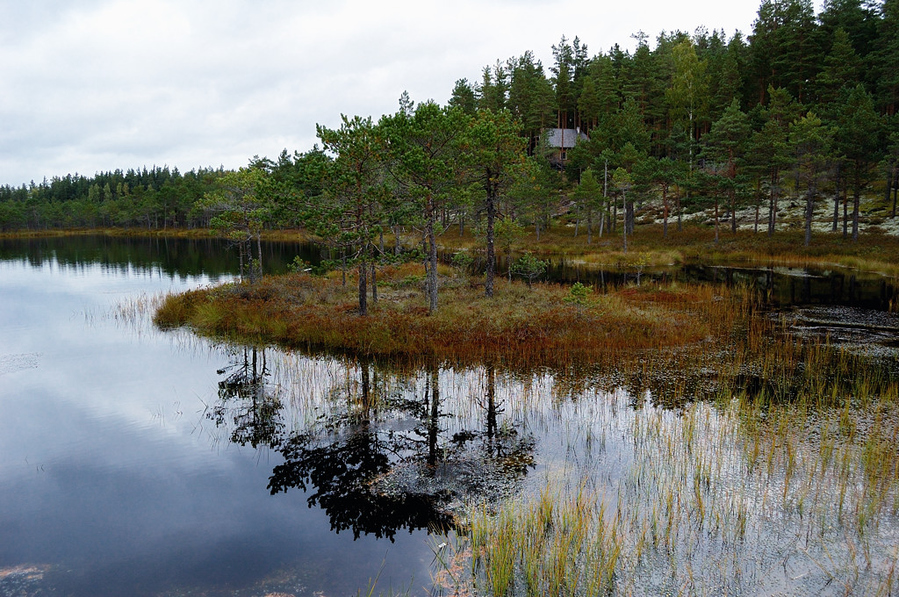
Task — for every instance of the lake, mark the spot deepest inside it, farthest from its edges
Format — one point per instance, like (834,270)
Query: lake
(113,480)
(143,462)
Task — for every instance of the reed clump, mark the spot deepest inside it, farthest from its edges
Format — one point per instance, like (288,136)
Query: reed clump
(556,544)
(757,463)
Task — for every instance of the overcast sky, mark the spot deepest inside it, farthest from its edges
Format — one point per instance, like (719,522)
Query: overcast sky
(95,85)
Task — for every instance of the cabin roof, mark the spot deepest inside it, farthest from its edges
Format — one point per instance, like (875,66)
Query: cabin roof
(564,138)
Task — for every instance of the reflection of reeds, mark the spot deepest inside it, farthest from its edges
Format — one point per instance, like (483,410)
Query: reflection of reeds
(547,546)
(785,479)
(708,505)
(135,308)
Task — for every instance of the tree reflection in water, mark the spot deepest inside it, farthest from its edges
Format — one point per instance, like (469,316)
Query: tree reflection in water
(244,402)
(380,457)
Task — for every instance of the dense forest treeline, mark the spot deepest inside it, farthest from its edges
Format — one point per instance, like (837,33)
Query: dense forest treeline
(154,199)
(804,107)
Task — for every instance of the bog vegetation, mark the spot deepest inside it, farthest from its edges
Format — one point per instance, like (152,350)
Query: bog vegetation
(522,327)
(794,126)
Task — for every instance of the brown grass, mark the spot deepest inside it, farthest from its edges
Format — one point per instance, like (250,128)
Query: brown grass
(696,244)
(517,327)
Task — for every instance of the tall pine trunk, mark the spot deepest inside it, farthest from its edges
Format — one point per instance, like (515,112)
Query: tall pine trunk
(772,205)
(363,286)
(809,211)
(491,253)
(733,210)
(432,255)
(665,210)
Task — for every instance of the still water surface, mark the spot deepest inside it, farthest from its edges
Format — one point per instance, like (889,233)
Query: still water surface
(113,480)
(143,462)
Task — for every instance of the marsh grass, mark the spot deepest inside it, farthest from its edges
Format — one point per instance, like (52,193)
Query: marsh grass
(701,511)
(137,308)
(519,327)
(696,244)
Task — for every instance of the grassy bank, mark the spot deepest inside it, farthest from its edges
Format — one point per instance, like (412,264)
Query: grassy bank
(649,247)
(543,325)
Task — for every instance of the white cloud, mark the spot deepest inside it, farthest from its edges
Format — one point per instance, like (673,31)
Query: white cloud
(98,85)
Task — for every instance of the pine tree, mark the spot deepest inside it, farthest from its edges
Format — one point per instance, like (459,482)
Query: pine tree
(588,200)
(723,150)
(855,17)
(842,67)
(885,58)
(687,92)
(563,74)
(531,97)
(783,50)
(589,105)
(490,148)
(811,141)
(494,88)
(423,154)
(859,128)
(351,216)
(464,97)
(769,148)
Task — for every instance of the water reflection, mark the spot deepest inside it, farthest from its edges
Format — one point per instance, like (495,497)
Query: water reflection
(174,257)
(108,495)
(183,257)
(244,403)
(109,486)
(379,453)
(777,286)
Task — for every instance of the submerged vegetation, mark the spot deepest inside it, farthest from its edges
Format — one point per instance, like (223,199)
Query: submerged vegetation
(722,497)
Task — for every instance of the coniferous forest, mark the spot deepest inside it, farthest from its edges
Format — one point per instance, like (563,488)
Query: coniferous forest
(803,109)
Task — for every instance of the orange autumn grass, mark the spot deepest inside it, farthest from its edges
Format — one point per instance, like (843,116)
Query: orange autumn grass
(517,327)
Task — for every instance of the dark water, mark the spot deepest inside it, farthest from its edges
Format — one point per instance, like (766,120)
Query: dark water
(182,258)
(137,462)
(778,286)
(173,257)
(113,478)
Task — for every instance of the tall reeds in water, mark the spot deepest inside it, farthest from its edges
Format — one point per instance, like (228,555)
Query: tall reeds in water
(783,478)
